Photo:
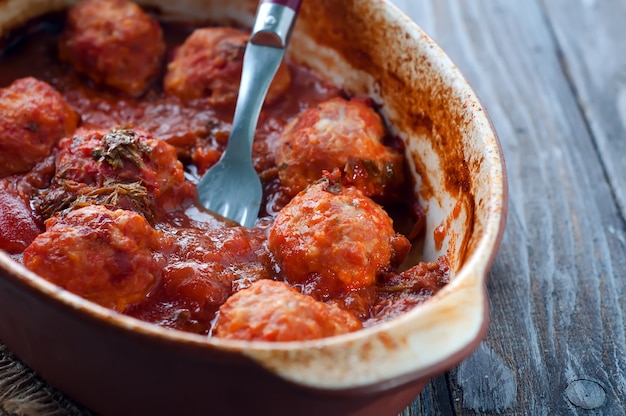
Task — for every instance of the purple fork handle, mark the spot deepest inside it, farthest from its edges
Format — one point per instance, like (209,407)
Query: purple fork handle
(292,4)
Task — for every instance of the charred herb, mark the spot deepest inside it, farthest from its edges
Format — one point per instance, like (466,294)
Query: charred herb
(332,181)
(120,145)
(69,195)
(357,169)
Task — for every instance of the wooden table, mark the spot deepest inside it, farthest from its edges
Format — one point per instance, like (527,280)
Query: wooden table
(552,75)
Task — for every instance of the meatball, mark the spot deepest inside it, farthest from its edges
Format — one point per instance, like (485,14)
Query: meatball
(208,65)
(114,43)
(331,238)
(338,134)
(273,311)
(124,167)
(33,117)
(113,258)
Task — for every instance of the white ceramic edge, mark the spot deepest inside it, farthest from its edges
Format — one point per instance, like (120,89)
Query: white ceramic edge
(414,343)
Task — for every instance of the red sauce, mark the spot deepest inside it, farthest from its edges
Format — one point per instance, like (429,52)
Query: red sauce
(190,244)
(439,235)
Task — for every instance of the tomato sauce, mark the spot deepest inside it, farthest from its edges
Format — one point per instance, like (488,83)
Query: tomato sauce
(190,243)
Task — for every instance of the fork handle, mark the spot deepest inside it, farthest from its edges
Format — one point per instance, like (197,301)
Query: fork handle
(262,57)
(274,22)
(292,4)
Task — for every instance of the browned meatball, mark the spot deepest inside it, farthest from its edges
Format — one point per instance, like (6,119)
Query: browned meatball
(273,311)
(208,65)
(113,42)
(33,117)
(113,258)
(124,167)
(330,239)
(338,134)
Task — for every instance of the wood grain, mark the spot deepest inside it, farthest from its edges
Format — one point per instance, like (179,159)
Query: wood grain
(556,341)
(592,42)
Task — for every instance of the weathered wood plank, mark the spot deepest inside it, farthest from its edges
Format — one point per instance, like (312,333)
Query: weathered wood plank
(591,38)
(434,399)
(556,343)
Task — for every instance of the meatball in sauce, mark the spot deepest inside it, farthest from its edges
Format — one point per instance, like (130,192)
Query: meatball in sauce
(343,134)
(114,43)
(124,167)
(208,66)
(33,117)
(330,239)
(111,257)
(274,311)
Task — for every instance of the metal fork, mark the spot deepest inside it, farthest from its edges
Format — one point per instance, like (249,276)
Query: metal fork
(232,187)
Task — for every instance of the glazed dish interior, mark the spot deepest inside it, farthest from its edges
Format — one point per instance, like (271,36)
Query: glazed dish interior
(418,201)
